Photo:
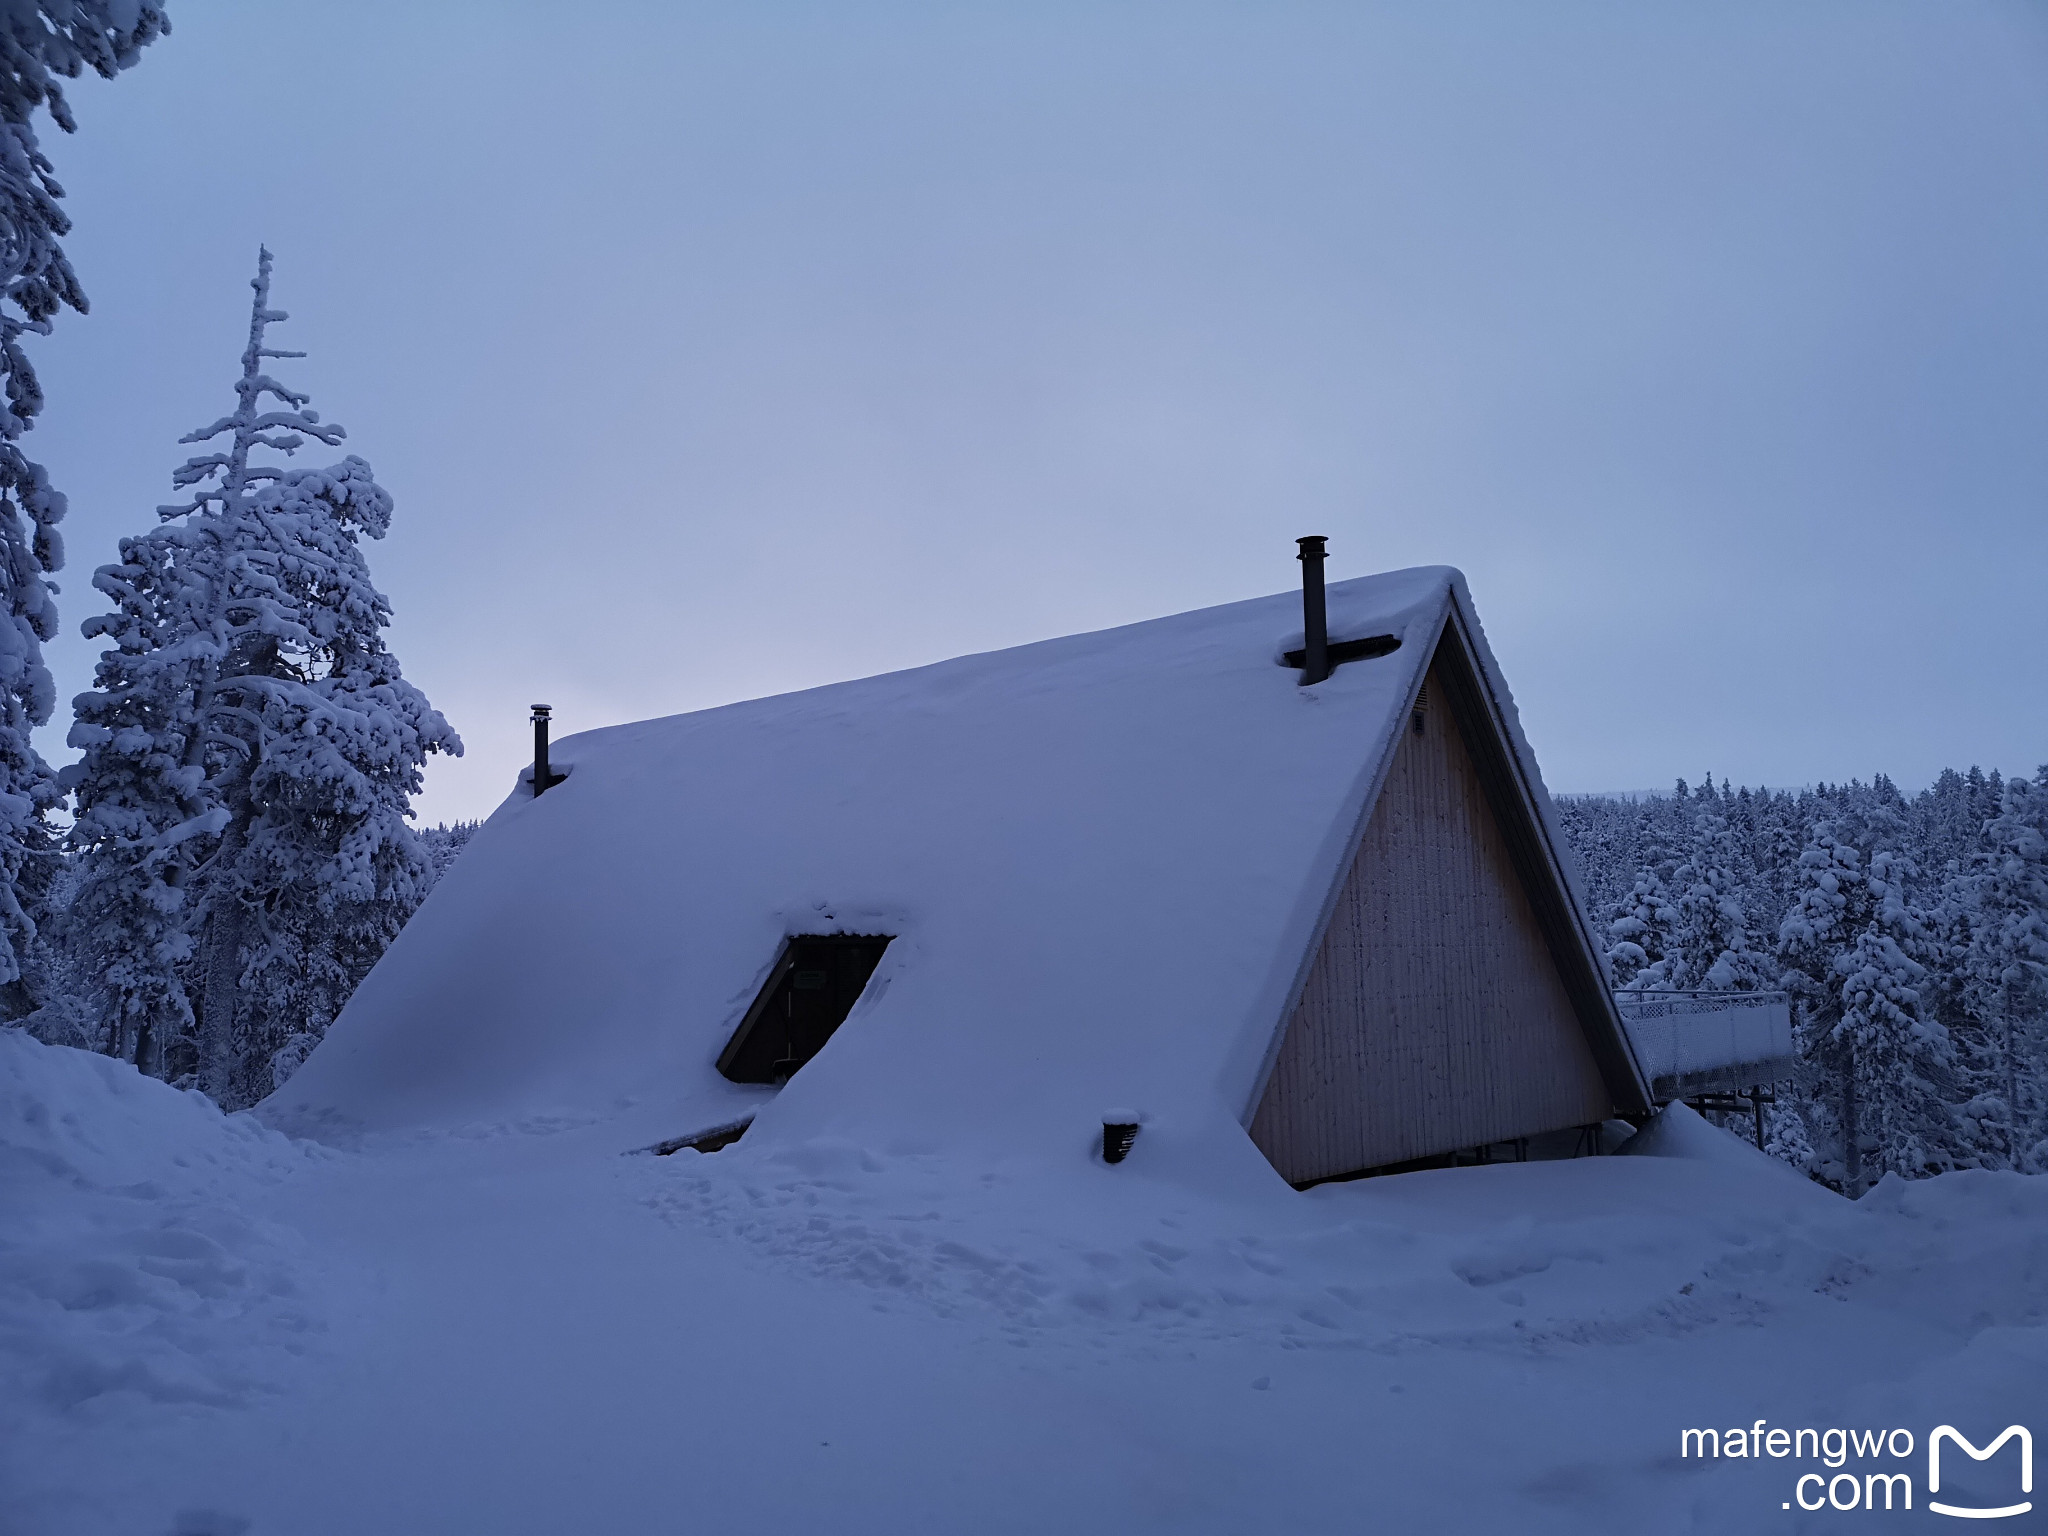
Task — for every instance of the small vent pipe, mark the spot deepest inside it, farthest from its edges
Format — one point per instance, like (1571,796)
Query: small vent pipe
(543,778)
(1315,617)
(1119,1130)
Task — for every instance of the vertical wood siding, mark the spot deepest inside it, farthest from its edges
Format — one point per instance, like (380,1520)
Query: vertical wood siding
(1433,1017)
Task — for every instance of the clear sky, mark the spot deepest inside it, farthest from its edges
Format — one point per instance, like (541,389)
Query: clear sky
(717,350)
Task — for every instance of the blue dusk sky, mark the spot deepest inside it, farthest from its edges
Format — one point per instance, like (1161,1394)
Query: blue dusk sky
(713,351)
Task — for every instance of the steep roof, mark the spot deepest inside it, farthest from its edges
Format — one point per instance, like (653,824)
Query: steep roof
(1106,859)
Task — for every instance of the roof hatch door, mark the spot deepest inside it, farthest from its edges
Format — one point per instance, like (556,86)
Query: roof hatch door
(811,988)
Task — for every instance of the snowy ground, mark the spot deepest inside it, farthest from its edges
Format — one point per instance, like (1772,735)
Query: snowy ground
(206,1328)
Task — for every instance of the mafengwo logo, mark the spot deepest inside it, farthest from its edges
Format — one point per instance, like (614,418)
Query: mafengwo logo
(1948,1432)
(1846,1490)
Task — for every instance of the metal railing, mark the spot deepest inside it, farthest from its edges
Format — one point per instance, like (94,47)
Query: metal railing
(1698,1041)
(1657,1002)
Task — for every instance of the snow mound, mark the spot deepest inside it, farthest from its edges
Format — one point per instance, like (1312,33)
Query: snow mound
(87,1121)
(127,1276)
(1680,1131)
(1976,1239)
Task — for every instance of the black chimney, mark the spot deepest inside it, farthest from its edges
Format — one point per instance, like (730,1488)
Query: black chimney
(543,779)
(1315,619)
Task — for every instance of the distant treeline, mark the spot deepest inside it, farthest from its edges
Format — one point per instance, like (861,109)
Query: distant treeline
(1911,931)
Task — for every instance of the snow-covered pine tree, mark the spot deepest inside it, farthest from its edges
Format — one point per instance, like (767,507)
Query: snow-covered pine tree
(1899,1056)
(250,753)
(1638,927)
(1703,931)
(40,43)
(1786,1136)
(1830,905)
(1984,1131)
(1881,1063)
(2005,969)
(1782,823)
(1640,921)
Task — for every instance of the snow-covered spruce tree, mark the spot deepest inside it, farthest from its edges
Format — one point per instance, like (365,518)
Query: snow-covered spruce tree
(250,752)
(41,41)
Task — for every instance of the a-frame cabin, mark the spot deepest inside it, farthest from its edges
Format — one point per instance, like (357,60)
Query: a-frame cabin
(1451,1001)
(1318,924)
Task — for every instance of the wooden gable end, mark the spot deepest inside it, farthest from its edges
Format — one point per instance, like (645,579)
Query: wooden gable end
(1436,1014)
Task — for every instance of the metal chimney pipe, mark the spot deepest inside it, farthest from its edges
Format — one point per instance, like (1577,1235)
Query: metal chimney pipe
(1315,617)
(542,777)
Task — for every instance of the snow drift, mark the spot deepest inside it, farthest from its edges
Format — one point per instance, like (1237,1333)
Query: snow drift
(127,1275)
(209,1331)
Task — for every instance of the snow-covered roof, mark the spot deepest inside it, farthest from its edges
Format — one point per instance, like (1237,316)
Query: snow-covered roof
(1105,859)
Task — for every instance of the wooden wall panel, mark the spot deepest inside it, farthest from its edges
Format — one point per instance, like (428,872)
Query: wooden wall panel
(1433,1017)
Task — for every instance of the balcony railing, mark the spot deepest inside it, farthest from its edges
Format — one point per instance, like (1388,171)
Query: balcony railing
(1692,1043)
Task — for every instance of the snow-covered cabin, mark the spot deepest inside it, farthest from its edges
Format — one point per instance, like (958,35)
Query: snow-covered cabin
(968,908)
